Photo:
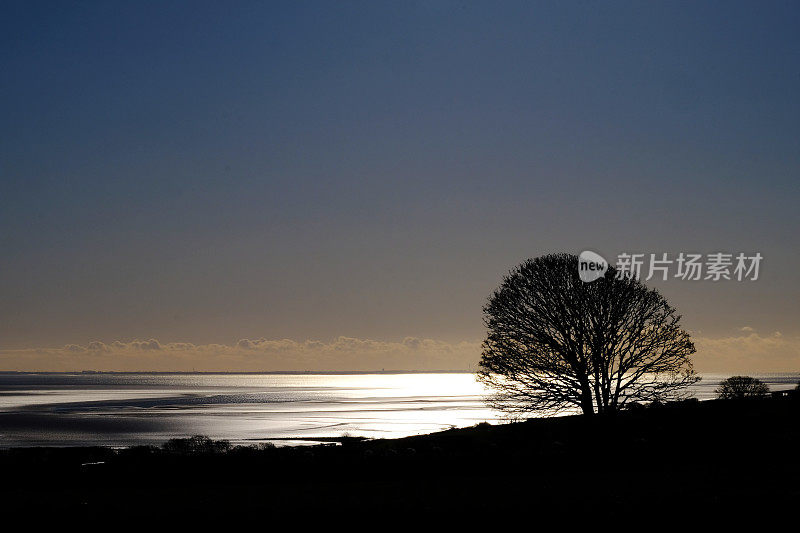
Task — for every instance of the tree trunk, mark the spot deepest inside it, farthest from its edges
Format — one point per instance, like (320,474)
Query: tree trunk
(587,405)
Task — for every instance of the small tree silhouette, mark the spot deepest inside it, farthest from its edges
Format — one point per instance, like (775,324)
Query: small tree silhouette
(738,387)
(196,445)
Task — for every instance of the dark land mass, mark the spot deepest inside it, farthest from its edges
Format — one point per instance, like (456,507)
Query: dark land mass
(675,461)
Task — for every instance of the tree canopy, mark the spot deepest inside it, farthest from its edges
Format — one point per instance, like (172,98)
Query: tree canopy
(556,343)
(738,387)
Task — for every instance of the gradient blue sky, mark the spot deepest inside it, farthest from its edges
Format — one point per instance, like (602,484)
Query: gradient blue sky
(207,172)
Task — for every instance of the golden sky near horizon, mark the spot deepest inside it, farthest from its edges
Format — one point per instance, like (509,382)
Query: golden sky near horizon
(739,353)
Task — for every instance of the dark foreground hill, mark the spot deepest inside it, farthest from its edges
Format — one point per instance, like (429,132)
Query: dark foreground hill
(689,459)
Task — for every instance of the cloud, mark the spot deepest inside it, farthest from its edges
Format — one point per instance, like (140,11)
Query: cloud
(97,346)
(250,355)
(748,352)
(74,348)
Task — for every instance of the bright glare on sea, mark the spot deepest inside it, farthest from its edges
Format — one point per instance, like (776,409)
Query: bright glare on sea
(132,409)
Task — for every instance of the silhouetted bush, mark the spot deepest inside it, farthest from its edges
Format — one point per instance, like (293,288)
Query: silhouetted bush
(738,387)
(196,445)
(636,407)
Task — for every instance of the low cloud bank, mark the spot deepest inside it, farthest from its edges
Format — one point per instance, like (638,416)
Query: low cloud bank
(748,352)
(745,352)
(249,355)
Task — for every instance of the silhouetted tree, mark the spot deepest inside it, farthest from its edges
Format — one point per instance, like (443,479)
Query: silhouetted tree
(738,387)
(555,342)
(196,445)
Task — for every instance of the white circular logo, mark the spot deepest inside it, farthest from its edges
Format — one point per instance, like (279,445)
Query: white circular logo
(591,266)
